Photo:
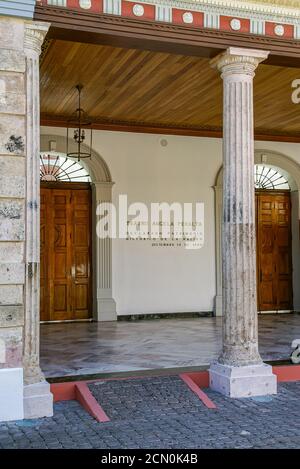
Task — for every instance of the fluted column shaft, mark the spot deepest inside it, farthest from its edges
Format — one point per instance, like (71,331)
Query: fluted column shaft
(240,335)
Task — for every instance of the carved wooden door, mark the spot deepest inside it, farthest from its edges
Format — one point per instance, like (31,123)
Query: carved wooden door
(65,251)
(274,250)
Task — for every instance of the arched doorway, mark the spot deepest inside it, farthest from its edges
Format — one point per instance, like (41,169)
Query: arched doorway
(273,239)
(82,187)
(65,239)
(282,170)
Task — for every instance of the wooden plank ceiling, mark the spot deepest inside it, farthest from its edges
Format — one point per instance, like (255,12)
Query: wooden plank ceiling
(141,88)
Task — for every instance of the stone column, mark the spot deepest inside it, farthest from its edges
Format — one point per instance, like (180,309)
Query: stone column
(105,307)
(239,371)
(38,400)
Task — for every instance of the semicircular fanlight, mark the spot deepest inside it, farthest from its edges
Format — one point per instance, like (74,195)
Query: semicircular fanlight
(266,177)
(58,167)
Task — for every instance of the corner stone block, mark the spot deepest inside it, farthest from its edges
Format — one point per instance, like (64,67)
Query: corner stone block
(12,33)
(12,61)
(11,316)
(11,295)
(12,93)
(12,274)
(12,222)
(11,347)
(12,186)
(12,135)
(11,252)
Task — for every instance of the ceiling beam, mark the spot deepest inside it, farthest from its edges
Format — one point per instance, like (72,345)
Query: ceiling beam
(48,121)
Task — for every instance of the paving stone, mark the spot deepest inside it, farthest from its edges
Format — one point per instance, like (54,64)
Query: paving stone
(164,413)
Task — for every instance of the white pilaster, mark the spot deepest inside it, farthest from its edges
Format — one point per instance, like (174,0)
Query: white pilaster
(41,401)
(239,371)
(105,307)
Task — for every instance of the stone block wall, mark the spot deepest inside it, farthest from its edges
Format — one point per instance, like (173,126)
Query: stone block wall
(20,43)
(12,199)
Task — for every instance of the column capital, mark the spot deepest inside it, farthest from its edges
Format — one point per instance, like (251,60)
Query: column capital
(35,33)
(239,61)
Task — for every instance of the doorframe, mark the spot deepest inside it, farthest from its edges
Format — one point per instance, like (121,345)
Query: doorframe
(104,305)
(273,193)
(291,170)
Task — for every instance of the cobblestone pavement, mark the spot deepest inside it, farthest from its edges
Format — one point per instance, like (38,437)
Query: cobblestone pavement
(163,413)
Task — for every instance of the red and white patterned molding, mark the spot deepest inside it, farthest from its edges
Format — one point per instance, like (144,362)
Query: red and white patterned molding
(276,22)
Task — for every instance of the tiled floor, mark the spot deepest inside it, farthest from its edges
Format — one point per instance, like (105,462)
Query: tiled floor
(87,348)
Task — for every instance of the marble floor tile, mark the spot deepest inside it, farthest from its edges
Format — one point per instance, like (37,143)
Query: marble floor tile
(88,348)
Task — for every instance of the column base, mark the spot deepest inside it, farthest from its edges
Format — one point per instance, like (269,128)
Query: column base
(38,400)
(11,394)
(242,381)
(106,309)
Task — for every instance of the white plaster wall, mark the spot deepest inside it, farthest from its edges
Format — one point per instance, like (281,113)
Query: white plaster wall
(147,279)
(150,279)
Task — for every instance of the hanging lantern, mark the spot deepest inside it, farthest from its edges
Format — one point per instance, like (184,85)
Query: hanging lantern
(82,131)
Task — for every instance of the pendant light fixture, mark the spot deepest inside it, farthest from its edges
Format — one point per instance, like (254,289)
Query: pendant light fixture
(82,132)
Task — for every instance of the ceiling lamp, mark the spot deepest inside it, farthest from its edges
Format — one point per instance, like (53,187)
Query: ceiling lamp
(83,133)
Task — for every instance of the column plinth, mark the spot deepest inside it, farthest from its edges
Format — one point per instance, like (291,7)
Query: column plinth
(239,371)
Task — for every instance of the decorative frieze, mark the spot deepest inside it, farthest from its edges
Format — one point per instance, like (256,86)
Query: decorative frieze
(163,13)
(211,20)
(112,7)
(257,26)
(242,16)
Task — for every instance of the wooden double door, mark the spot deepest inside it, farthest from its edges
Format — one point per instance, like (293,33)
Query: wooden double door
(66,289)
(274,250)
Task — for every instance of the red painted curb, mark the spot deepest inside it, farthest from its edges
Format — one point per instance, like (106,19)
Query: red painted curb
(195,388)
(89,403)
(78,390)
(63,391)
(287,373)
(201,378)
(194,380)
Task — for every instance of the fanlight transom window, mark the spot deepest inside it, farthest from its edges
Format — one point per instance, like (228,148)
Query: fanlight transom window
(57,167)
(266,177)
